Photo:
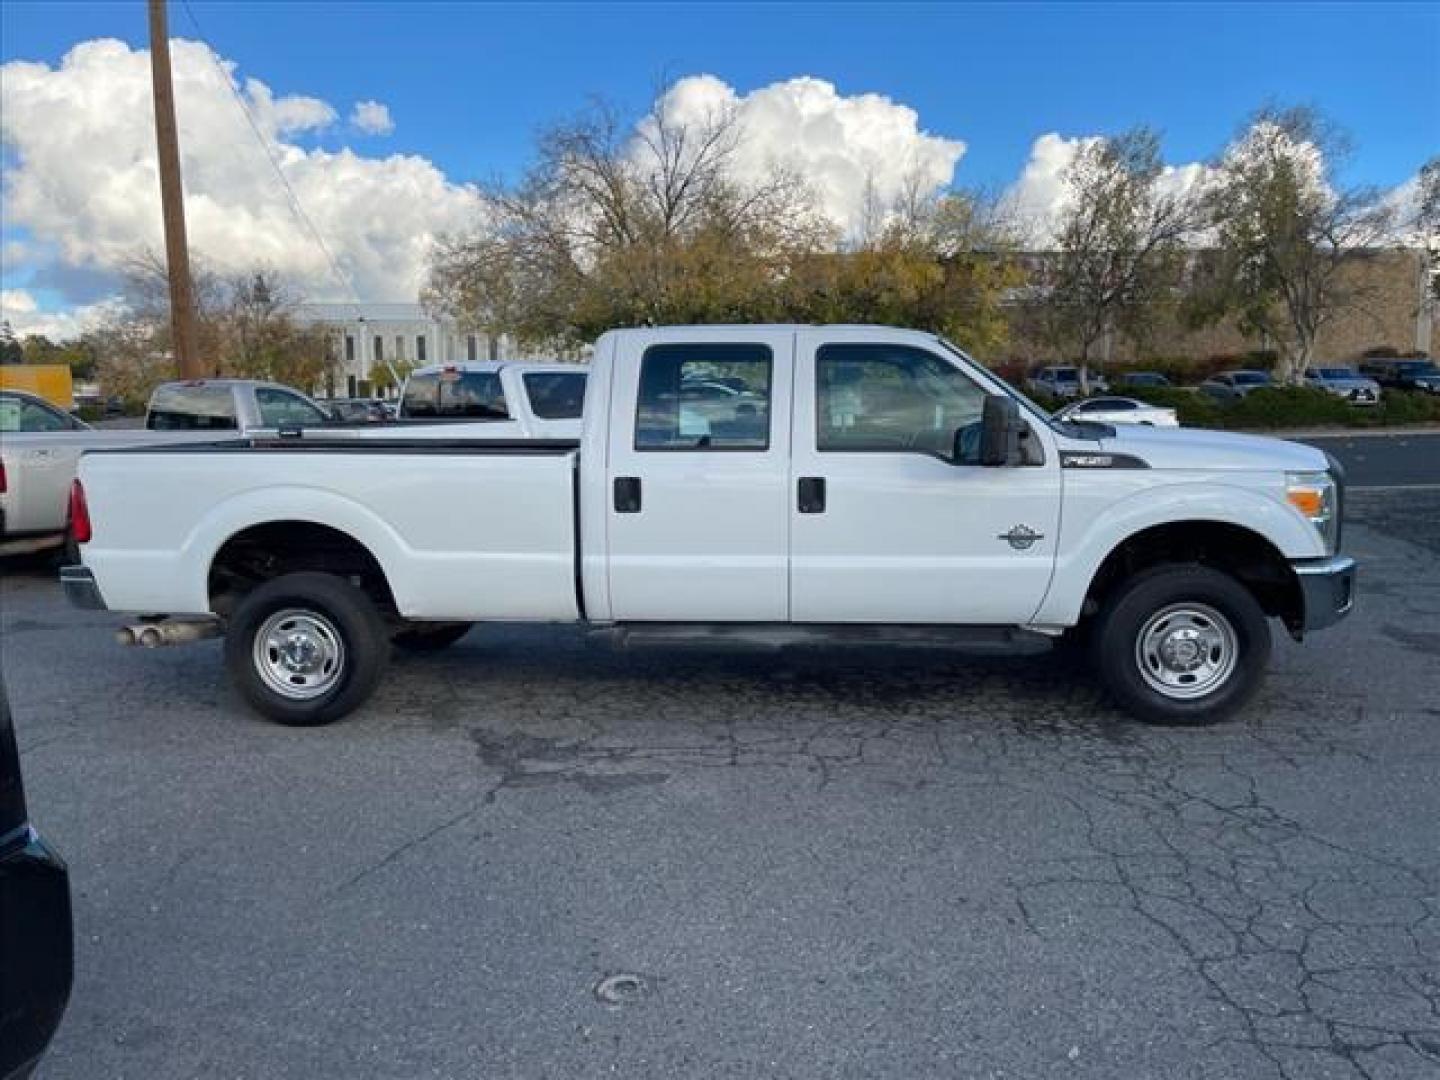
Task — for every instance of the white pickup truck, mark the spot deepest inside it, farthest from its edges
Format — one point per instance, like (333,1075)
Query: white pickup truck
(856,484)
(521,400)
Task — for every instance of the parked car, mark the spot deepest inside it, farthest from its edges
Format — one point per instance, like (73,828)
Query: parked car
(36,936)
(1413,373)
(1142,378)
(1064,382)
(360,410)
(1345,383)
(1119,410)
(40,445)
(230,405)
(510,400)
(1234,385)
(888,489)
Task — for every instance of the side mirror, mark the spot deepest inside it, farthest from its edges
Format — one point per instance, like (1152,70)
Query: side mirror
(1000,429)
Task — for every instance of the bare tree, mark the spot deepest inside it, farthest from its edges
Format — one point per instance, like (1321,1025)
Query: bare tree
(1288,237)
(625,224)
(1120,246)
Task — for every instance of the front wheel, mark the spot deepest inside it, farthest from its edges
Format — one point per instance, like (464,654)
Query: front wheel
(306,648)
(1182,645)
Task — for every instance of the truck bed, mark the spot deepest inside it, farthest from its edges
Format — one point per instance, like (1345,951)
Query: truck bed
(463,529)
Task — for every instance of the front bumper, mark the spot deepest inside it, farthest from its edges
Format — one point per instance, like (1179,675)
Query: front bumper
(1327,590)
(80,588)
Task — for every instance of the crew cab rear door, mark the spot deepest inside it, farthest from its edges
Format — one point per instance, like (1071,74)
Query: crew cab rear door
(697,495)
(885,526)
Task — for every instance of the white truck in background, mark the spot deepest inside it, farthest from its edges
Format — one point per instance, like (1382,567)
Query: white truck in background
(865,484)
(513,400)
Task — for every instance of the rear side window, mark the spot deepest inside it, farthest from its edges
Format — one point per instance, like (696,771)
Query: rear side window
(454,395)
(192,408)
(704,397)
(555,395)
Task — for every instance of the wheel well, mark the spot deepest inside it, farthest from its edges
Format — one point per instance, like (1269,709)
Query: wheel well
(255,555)
(1245,555)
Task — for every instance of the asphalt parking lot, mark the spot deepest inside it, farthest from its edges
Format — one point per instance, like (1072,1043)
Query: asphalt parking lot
(853,864)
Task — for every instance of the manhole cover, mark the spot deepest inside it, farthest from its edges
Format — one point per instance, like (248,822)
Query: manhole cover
(622,988)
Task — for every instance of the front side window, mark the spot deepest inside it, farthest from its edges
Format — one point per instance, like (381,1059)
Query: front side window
(279,407)
(192,408)
(556,395)
(455,395)
(891,398)
(704,397)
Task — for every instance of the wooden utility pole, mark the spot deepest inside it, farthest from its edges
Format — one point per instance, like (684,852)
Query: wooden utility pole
(172,200)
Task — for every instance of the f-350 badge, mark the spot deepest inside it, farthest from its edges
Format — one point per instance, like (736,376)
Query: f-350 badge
(1021,537)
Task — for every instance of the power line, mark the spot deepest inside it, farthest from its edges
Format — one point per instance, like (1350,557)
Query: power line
(294,199)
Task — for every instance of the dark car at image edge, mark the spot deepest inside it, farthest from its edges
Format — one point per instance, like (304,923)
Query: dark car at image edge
(36,943)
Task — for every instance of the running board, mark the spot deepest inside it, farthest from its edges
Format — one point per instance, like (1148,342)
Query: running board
(976,640)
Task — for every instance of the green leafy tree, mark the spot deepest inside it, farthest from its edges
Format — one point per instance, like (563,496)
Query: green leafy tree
(11,351)
(1289,238)
(1120,246)
(1428,220)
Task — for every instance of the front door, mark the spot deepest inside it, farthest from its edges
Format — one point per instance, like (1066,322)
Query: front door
(885,526)
(697,480)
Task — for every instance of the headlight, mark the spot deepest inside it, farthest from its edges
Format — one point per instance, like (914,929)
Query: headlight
(1314,495)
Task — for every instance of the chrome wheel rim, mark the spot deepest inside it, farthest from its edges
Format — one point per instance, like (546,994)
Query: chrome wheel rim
(299,654)
(1186,651)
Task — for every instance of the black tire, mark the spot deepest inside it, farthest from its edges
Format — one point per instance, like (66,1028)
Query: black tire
(1201,592)
(419,637)
(339,606)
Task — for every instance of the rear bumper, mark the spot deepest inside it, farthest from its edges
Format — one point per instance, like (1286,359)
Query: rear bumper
(80,588)
(1327,590)
(36,942)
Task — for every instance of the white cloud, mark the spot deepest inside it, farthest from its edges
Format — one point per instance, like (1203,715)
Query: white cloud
(841,145)
(83,183)
(1039,196)
(372,118)
(20,309)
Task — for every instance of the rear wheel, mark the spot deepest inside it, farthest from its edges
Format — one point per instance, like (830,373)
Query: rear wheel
(422,637)
(1182,645)
(306,648)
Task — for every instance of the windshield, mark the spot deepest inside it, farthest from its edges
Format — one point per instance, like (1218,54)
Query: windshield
(1418,367)
(1335,373)
(1251,378)
(1067,374)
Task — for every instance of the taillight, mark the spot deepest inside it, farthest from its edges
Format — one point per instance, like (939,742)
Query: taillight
(79,514)
(3,488)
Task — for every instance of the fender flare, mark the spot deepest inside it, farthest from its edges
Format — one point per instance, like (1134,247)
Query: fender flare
(272,505)
(1209,502)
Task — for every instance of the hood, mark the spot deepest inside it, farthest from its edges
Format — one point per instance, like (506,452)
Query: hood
(1196,448)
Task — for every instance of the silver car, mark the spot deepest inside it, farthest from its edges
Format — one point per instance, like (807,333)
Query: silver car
(1345,383)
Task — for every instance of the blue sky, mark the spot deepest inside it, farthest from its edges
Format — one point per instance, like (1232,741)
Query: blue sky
(467,85)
